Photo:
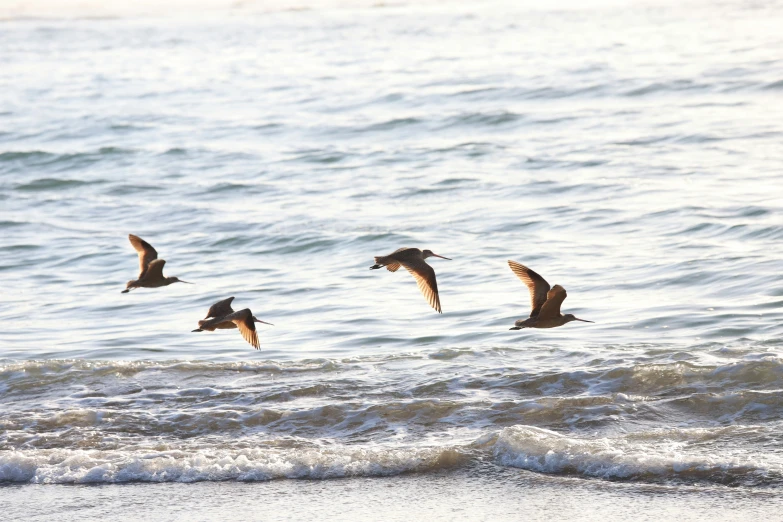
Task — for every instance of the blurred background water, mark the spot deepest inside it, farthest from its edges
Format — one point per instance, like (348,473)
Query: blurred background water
(629,153)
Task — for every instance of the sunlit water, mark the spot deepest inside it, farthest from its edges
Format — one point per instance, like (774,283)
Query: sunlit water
(631,155)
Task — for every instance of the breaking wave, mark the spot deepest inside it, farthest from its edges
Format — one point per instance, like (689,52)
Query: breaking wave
(676,455)
(672,455)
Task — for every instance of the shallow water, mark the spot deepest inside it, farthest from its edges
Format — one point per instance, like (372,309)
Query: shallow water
(631,155)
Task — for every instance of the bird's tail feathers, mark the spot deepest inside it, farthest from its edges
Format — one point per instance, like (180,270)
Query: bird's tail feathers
(378,263)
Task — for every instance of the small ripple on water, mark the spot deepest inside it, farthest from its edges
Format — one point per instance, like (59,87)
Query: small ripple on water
(43,184)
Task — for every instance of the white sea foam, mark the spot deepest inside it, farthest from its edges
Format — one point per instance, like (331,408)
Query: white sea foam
(65,466)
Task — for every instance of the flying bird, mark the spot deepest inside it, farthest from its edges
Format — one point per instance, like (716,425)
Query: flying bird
(544,303)
(222,316)
(413,261)
(150,267)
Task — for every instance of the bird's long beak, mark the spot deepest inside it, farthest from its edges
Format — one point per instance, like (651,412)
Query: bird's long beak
(125,291)
(260,321)
(197,330)
(436,255)
(188,282)
(583,320)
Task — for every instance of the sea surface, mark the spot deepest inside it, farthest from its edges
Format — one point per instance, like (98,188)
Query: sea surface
(630,153)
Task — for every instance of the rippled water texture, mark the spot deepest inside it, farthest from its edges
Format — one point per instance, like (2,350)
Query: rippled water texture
(630,154)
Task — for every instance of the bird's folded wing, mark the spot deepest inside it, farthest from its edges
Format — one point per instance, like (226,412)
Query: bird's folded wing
(425,278)
(536,284)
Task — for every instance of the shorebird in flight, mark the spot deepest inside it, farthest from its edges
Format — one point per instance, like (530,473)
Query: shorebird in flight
(545,303)
(150,267)
(413,261)
(222,316)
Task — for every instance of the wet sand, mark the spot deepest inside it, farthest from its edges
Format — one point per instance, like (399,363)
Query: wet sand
(479,494)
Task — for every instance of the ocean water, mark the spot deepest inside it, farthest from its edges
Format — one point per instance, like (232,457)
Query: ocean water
(268,152)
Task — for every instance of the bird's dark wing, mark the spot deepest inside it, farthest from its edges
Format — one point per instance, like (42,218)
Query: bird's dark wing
(554,298)
(536,284)
(221,308)
(425,278)
(147,254)
(155,270)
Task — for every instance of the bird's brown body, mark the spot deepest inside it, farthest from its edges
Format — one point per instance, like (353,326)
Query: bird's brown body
(150,267)
(210,325)
(544,302)
(413,261)
(221,316)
